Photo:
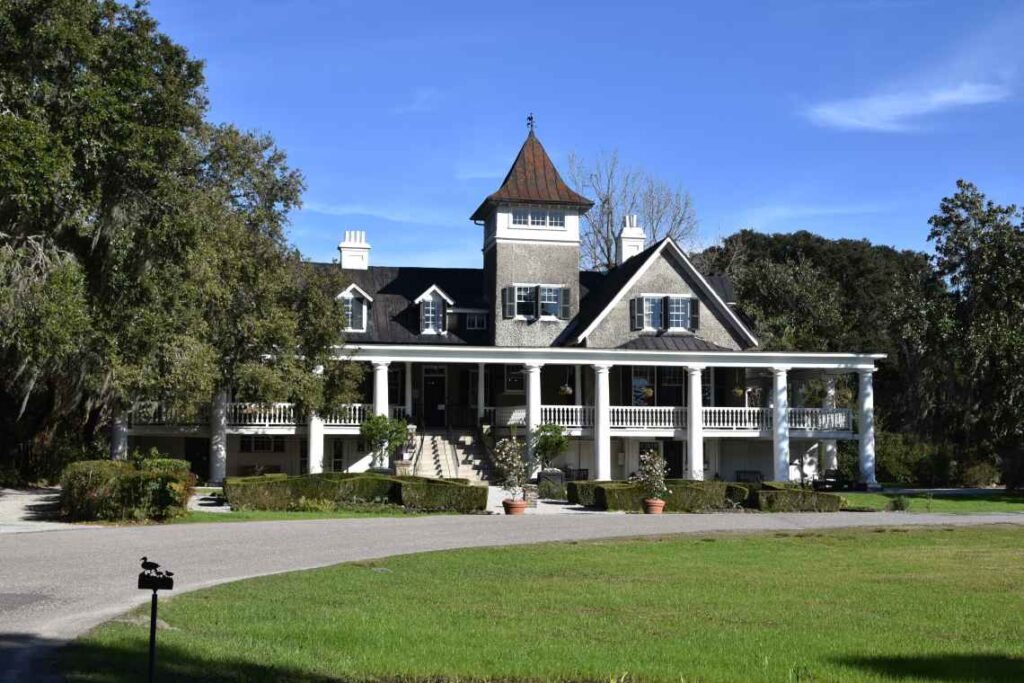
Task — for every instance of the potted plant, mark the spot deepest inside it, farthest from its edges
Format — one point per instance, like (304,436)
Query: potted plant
(513,472)
(384,436)
(651,477)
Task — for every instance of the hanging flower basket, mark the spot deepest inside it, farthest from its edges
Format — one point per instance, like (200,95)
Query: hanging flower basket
(648,392)
(565,390)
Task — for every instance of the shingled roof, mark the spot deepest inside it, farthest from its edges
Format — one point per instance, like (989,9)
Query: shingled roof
(533,179)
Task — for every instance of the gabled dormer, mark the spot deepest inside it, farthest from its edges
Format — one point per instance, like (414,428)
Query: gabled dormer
(357,307)
(531,250)
(434,304)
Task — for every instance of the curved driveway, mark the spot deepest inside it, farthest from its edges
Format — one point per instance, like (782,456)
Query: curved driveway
(56,584)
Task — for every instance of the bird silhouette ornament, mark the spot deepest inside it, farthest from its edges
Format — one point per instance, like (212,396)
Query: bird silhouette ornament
(153,577)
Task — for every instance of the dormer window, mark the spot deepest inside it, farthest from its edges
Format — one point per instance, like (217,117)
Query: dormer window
(433,305)
(356,303)
(664,313)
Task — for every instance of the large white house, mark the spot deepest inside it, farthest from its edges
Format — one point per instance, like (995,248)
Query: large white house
(649,355)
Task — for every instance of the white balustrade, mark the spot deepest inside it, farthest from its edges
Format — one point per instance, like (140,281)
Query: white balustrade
(156,413)
(349,414)
(636,417)
(509,416)
(261,414)
(756,419)
(577,417)
(821,419)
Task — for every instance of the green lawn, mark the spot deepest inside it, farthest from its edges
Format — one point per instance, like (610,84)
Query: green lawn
(908,605)
(993,501)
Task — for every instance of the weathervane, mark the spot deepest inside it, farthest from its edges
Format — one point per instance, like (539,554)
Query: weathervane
(530,122)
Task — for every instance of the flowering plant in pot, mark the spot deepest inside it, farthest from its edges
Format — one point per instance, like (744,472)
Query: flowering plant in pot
(651,477)
(513,470)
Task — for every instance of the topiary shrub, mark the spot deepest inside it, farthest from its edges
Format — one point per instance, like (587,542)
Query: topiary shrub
(442,495)
(682,495)
(620,495)
(583,492)
(550,490)
(797,500)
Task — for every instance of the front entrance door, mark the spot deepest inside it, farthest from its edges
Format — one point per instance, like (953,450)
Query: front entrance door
(197,452)
(434,393)
(674,459)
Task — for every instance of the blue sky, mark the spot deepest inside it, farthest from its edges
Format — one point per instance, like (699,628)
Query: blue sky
(849,118)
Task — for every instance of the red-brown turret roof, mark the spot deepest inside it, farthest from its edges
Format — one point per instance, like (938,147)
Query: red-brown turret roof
(533,179)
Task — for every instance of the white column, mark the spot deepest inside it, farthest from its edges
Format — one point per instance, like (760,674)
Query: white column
(602,424)
(532,371)
(827,449)
(866,405)
(578,387)
(481,392)
(119,438)
(780,427)
(408,390)
(380,387)
(315,444)
(695,424)
(219,437)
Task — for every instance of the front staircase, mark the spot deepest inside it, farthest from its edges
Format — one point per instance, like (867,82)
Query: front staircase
(452,455)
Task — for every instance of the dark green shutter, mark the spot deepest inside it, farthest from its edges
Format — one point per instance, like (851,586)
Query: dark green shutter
(563,308)
(508,309)
(694,314)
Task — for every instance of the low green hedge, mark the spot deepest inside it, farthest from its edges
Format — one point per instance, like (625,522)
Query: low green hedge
(797,500)
(684,495)
(583,492)
(341,489)
(118,490)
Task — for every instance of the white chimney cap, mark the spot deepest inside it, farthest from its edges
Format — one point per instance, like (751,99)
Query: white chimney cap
(355,251)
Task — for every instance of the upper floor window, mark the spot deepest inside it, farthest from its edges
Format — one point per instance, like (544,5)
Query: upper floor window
(430,315)
(476,321)
(536,301)
(537,217)
(355,314)
(661,312)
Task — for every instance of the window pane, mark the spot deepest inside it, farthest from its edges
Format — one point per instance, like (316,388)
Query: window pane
(476,321)
(652,312)
(431,317)
(520,217)
(538,217)
(526,301)
(550,300)
(678,312)
(556,219)
(643,386)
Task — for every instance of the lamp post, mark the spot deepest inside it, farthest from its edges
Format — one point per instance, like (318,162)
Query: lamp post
(155,579)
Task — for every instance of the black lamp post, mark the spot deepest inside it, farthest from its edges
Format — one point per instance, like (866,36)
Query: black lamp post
(155,579)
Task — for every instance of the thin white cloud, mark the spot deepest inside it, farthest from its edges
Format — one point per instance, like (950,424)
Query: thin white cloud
(982,69)
(395,214)
(783,216)
(424,99)
(899,111)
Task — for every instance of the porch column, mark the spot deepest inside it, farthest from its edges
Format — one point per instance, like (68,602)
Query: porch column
(532,371)
(315,444)
(578,388)
(408,390)
(481,392)
(380,387)
(119,438)
(866,406)
(602,424)
(827,449)
(695,424)
(219,437)
(780,426)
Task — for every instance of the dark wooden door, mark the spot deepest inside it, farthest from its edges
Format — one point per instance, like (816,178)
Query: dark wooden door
(673,451)
(197,452)
(434,400)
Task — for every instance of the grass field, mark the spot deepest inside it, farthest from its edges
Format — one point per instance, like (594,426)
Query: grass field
(908,605)
(990,501)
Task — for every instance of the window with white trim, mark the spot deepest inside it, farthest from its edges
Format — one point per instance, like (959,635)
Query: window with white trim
(526,301)
(678,312)
(556,219)
(476,321)
(550,300)
(520,217)
(531,301)
(538,217)
(430,316)
(355,313)
(653,310)
(661,313)
(260,443)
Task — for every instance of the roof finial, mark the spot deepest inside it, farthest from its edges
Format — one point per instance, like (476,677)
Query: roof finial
(530,122)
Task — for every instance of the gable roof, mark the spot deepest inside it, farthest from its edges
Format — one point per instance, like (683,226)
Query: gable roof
(621,278)
(431,290)
(533,179)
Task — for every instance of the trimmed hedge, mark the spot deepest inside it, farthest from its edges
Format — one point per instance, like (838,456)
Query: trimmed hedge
(797,500)
(341,489)
(684,495)
(116,490)
(583,492)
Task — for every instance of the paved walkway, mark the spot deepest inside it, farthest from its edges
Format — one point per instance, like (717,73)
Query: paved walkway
(56,585)
(24,510)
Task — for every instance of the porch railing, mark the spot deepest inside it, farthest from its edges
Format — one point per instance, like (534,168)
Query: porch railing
(578,417)
(757,419)
(663,417)
(510,416)
(261,414)
(821,419)
(148,413)
(350,414)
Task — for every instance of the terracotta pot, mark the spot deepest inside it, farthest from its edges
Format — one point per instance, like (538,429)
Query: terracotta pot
(653,506)
(514,507)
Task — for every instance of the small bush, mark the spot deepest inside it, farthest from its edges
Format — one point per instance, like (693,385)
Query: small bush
(551,490)
(979,474)
(898,504)
(118,490)
(682,495)
(797,500)
(167,465)
(620,495)
(442,495)
(583,492)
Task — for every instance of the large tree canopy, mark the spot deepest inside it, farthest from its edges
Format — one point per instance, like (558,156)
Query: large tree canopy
(143,250)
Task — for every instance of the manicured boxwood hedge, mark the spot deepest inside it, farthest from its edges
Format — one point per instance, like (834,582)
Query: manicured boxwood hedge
(797,500)
(684,495)
(341,489)
(583,492)
(115,490)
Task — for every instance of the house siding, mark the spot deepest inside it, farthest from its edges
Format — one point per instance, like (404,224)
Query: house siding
(531,263)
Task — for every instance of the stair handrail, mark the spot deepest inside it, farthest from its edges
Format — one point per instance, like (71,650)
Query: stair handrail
(419,451)
(453,452)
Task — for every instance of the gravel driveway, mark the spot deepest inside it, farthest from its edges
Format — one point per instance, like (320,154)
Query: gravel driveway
(56,585)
